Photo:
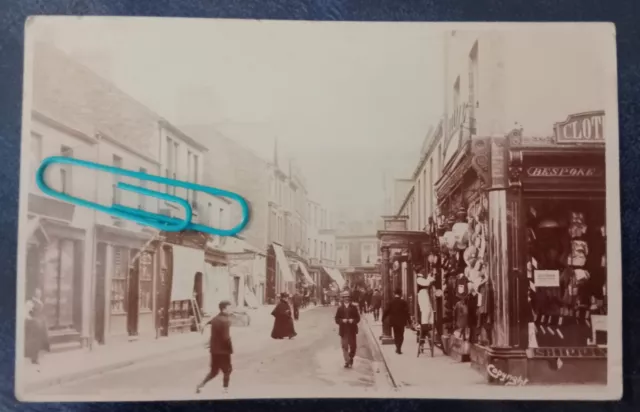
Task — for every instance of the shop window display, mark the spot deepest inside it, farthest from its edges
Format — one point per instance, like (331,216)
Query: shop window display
(566,268)
(468,297)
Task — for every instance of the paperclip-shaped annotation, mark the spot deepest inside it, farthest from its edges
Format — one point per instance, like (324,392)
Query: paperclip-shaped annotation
(158,221)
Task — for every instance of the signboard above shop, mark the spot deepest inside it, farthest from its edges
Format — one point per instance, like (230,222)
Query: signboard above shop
(581,128)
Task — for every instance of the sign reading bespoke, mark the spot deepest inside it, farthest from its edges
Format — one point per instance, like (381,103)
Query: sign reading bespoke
(581,128)
(553,171)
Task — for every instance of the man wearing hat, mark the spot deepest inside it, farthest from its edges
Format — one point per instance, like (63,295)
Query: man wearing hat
(398,315)
(220,346)
(347,318)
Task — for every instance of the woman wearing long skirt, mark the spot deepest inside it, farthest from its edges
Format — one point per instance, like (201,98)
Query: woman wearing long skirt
(283,323)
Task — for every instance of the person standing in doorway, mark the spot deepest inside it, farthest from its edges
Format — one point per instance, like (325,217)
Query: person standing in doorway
(36,333)
(220,347)
(376,304)
(347,318)
(397,313)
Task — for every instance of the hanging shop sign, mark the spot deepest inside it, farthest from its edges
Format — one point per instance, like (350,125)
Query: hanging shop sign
(558,171)
(581,128)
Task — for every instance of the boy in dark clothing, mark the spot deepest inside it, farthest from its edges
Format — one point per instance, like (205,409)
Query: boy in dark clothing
(220,347)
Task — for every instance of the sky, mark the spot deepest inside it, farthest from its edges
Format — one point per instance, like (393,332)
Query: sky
(350,102)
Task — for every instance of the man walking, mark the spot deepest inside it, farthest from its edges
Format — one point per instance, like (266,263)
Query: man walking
(297,302)
(347,318)
(397,313)
(376,304)
(220,347)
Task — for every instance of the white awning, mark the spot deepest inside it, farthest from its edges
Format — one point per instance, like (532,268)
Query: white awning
(250,299)
(335,275)
(186,263)
(305,273)
(283,263)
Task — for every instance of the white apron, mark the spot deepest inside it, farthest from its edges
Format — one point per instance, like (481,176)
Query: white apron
(426,311)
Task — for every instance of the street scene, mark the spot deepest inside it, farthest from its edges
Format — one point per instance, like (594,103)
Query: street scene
(261,364)
(428,215)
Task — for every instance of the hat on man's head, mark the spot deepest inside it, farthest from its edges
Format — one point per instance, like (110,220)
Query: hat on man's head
(398,292)
(284,295)
(345,294)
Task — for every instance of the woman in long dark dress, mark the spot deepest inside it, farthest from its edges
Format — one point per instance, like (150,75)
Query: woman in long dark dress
(283,323)
(36,336)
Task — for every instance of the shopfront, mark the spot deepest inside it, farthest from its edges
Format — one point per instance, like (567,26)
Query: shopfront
(125,283)
(461,225)
(403,252)
(547,253)
(182,278)
(280,278)
(55,255)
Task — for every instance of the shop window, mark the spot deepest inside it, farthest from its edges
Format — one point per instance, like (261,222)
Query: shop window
(119,286)
(566,268)
(146,282)
(59,282)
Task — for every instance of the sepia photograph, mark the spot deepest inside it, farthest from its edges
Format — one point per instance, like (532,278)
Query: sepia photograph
(242,209)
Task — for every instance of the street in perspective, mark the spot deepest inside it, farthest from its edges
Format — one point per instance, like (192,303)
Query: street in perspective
(428,214)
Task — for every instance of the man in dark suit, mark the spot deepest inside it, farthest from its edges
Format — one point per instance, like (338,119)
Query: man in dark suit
(220,346)
(347,318)
(397,313)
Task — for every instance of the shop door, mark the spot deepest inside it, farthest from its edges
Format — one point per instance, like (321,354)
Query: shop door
(100,297)
(133,309)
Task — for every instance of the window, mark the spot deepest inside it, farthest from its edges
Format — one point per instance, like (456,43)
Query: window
(420,201)
(209,213)
(171,166)
(473,86)
(221,218)
(119,286)
(425,193)
(316,252)
(145,263)
(439,164)
(456,94)
(308,243)
(59,283)
(196,173)
(189,177)
(115,193)
(36,154)
(142,198)
(431,188)
(65,170)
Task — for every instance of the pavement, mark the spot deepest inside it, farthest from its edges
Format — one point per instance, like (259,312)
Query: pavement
(309,365)
(85,363)
(441,377)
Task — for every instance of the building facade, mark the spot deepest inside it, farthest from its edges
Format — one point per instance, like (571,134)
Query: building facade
(321,247)
(357,251)
(287,265)
(103,277)
(518,175)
